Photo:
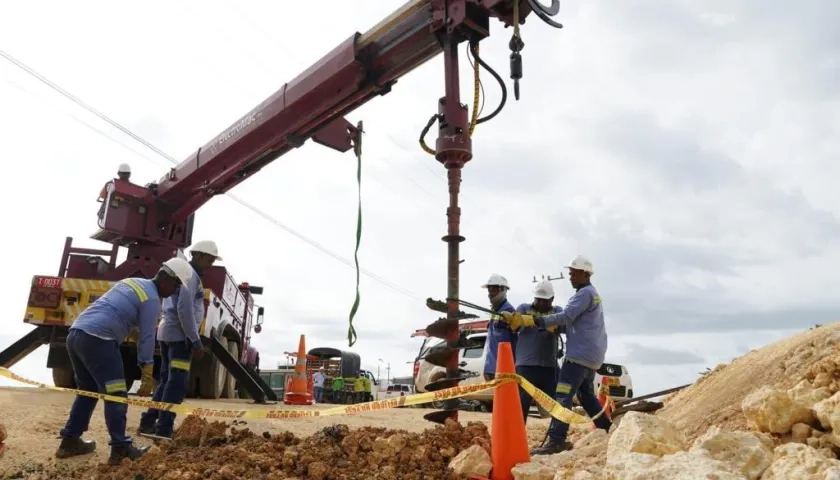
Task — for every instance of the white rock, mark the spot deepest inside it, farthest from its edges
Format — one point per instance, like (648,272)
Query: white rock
(532,471)
(472,461)
(827,412)
(800,432)
(801,462)
(746,453)
(772,410)
(806,395)
(644,433)
(678,466)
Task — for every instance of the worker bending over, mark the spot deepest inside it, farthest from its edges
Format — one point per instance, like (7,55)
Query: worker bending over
(497,330)
(586,346)
(536,349)
(179,342)
(93,345)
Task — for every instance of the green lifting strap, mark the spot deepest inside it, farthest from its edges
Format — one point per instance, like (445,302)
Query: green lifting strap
(351,332)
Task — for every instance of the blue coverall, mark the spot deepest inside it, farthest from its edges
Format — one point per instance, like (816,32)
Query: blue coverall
(586,346)
(536,358)
(93,344)
(497,332)
(177,335)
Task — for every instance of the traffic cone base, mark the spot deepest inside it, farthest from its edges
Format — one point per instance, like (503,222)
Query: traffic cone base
(508,439)
(298,391)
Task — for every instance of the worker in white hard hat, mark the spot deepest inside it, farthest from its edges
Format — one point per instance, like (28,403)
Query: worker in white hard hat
(124,174)
(497,330)
(179,342)
(582,320)
(318,384)
(536,349)
(93,345)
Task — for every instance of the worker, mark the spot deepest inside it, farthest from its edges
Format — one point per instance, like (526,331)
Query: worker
(93,345)
(368,395)
(497,330)
(359,388)
(179,342)
(338,389)
(536,349)
(124,174)
(318,384)
(582,320)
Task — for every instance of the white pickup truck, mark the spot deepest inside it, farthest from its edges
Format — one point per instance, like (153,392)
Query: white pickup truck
(615,376)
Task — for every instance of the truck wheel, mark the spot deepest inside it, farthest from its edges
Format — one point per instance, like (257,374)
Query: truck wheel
(229,386)
(211,378)
(63,377)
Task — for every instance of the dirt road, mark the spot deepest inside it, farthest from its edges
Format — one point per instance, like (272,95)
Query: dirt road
(34,417)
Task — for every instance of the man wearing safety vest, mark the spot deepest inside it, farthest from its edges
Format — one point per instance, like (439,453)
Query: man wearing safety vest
(536,349)
(497,330)
(93,345)
(582,320)
(179,342)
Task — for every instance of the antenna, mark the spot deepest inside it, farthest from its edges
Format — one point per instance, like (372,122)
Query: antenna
(549,278)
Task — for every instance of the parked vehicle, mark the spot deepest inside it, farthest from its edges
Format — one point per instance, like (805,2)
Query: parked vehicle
(397,390)
(612,375)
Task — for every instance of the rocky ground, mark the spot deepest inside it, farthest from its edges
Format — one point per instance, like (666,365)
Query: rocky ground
(771,414)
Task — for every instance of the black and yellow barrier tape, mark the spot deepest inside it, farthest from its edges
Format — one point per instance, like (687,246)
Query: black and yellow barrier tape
(549,404)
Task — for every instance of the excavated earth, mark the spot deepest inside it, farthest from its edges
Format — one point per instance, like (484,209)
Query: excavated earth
(770,414)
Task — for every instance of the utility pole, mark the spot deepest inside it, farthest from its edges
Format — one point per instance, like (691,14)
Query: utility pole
(387,370)
(549,278)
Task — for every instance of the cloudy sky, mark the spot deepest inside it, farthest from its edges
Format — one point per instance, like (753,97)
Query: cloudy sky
(688,148)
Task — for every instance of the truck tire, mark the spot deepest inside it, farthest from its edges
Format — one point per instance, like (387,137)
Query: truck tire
(229,386)
(63,377)
(212,374)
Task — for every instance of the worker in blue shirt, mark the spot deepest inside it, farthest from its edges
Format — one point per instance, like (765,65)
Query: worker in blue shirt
(536,349)
(93,345)
(497,330)
(179,342)
(586,346)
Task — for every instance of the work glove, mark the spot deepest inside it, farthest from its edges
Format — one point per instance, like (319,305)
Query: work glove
(517,320)
(147,381)
(197,350)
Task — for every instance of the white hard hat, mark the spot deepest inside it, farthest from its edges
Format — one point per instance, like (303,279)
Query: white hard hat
(206,246)
(124,168)
(581,263)
(544,290)
(496,280)
(179,268)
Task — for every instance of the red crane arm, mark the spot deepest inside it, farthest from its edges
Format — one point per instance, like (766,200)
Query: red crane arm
(313,104)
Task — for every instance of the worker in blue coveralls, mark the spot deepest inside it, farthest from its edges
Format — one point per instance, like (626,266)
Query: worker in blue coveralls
(497,330)
(93,345)
(179,342)
(536,349)
(582,320)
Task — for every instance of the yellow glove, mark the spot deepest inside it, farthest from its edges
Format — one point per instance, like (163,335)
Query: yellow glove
(513,319)
(147,381)
(527,321)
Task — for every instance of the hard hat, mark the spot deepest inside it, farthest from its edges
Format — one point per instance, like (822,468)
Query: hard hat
(178,268)
(581,263)
(206,246)
(496,280)
(124,168)
(544,290)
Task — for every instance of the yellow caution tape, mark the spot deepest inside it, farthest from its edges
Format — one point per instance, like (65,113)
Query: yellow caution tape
(549,404)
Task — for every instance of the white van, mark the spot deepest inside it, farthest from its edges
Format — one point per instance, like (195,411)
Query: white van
(615,376)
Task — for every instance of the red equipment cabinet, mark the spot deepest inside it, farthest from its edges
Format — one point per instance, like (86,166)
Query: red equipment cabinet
(155,222)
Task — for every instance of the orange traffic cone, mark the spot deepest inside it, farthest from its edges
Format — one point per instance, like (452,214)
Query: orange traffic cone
(606,403)
(508,440)
(298,391)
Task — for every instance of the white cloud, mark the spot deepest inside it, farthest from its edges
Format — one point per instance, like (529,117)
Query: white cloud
(689,149)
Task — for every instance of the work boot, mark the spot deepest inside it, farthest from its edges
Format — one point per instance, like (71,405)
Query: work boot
(146,429)
(70,447)
(551,447)
(126,450)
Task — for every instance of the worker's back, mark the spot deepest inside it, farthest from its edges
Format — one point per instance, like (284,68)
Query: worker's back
(115,314)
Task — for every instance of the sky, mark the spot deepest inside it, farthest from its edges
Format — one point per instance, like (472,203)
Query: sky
(688,148)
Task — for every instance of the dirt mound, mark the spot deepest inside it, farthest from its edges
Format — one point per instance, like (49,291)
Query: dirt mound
(715,399)
(206,450)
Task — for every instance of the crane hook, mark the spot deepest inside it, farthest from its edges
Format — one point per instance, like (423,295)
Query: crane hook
(546,12)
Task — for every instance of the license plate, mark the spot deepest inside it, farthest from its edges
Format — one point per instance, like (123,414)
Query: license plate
(48,282)
(609,381)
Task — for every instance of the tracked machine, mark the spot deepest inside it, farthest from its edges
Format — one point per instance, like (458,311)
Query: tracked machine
(154,223)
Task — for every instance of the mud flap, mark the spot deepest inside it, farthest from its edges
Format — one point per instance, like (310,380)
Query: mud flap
(254,386)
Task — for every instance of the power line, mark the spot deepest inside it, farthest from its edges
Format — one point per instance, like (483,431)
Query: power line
(393,286)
